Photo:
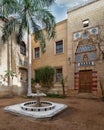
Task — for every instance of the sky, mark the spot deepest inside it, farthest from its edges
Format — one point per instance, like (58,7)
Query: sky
(60,7)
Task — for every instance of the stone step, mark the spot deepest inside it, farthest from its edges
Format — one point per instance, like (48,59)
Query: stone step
(86,95)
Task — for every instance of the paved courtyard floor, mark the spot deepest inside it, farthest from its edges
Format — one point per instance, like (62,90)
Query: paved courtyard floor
(82,114)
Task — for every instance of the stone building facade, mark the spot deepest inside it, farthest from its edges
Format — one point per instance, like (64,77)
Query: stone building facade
(13,57)
(85,46)
(55,55)
(77,50)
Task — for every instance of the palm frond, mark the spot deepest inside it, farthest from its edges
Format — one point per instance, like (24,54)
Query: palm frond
(38,35)
(31,13)
(23,25)
(43,3)
(8,7)
(47,20)
(8,29)
(19,35)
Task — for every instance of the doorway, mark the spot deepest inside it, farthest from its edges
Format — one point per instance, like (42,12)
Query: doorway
(85,81)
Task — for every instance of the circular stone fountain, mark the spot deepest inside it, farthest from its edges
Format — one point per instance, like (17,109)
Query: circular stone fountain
(37,105)
(37,109)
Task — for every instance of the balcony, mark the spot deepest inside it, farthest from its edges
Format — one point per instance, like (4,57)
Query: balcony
(23,63)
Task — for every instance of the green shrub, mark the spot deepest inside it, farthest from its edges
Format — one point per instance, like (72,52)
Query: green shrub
(45,76)
(53,95)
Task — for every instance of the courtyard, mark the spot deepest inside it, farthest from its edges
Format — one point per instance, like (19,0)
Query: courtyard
(75,53)
(81,114)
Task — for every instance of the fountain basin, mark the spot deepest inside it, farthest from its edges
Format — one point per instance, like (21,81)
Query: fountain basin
(37,109)
(30,106)
(38,94)
(16,109)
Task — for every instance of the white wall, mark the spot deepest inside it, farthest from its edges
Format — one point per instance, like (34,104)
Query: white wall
(3,53)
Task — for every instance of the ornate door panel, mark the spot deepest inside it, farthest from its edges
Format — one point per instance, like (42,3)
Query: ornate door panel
(85,81)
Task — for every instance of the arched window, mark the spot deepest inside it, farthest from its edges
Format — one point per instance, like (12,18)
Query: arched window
(23,48)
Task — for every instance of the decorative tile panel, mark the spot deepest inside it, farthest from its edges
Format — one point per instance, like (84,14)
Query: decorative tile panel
(85,35)
(78,58)
(92,55)
(77,35)
(93,31)
(88,63)
(85,48)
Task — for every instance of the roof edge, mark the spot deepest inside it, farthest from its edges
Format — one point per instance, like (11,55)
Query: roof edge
(82,5)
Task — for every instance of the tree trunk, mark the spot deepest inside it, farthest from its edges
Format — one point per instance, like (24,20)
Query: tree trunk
(29,65)
(11,67)
(8,62)
(63,87)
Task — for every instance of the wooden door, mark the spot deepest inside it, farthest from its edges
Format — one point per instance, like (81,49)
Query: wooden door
(85,81)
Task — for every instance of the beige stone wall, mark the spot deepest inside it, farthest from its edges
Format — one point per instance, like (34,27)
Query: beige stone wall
(3,61)
(14,64)
(95,13)
(3,55)
(49,57)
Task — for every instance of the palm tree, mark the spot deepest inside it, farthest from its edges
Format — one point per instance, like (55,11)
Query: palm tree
(6,8)
(33,15)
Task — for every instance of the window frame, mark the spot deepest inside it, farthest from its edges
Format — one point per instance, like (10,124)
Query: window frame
(23,48)
(34,53)
(85,23)
(57,80)
(58,42)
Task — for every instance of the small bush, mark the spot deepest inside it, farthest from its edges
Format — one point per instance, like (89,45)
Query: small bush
(45,76)
(53,95)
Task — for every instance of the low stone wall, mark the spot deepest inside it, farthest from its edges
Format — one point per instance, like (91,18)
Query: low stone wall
(19,90)
(57,90)
(4,91)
